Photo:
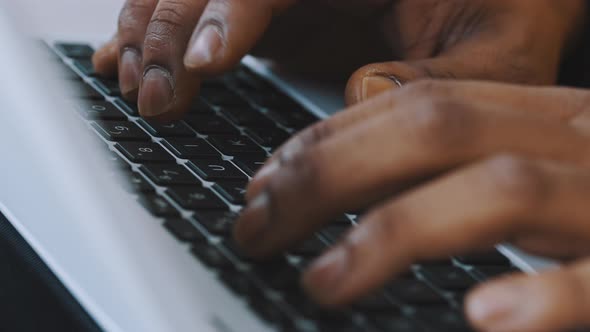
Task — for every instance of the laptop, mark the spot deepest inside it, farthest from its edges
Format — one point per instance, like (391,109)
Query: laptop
(134,218)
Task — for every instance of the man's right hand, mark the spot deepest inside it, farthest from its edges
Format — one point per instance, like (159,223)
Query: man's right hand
(164,48)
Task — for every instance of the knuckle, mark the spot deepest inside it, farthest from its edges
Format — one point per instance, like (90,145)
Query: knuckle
(133,13)
(166,23)
(518,180)
(425,88)
(316,133)
(391,226)
(438,122)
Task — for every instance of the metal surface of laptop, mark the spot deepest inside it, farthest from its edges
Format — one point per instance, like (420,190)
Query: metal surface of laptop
(108,251)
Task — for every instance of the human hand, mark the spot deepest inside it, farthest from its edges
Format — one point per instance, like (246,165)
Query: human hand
(164,48)
(442,168)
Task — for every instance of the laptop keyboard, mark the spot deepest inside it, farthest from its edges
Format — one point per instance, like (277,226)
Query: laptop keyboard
(192,175)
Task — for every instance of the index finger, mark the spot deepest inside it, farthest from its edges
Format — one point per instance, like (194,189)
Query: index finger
(471,209)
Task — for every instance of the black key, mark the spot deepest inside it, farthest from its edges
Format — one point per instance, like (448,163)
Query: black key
(310,247)
(273,99)
(127,107)
(375,303)
(184,230)
(78,51)
(448,277)
(232,247)
(233,191)
(412,291)
(101,110)
(187,148)
(277,274)
(443,320)
(269,137)
(222,97)
(311,310)
(167,175)
(174,129)
(296,119)
(140,152)
(216,169)
(136,183)
(235,145)
(85,91)
(120,131)
(342,220)
(334,232)
(209,124)
(201,107)
(85,66)
(158,206)
(219,222)
(249,164)
(490,272)
(398,323)
(211,256)
(195,198)
(492,258)
(246,116)
(109,87)
(238,283)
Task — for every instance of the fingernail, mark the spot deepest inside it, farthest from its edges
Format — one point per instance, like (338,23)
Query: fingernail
(377,84)
(325,274)
(157,91)
(204,47)
(254,219)
(499,308)
(130,74)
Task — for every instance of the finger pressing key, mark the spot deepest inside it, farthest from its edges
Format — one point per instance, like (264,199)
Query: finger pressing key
(491,201)
(133,21)
(167,89)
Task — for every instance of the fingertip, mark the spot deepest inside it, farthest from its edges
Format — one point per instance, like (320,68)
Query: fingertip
(326,275)
(105,59)
(205,49)
(503,305)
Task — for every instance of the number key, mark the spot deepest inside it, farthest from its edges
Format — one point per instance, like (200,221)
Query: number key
(144,152)
(101,110)
(120,131)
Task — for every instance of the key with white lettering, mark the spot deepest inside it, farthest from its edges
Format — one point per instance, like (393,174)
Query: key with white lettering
(233,191)
(216,169)
(236,145)
(195,198)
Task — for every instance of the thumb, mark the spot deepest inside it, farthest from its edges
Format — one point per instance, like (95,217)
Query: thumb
(474,60)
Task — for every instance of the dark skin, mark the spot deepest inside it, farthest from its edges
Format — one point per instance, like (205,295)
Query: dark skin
(442,167)
(506,40)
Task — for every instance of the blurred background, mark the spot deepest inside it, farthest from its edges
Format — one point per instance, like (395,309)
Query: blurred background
(92,18)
